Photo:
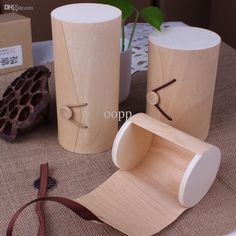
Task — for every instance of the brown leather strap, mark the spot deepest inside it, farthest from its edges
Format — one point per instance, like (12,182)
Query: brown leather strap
(42,193)
(77,208)
(163,113)
(157,105)
(165,85)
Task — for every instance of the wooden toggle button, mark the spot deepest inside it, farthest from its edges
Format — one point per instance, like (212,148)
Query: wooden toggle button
(66,112)
(152,98)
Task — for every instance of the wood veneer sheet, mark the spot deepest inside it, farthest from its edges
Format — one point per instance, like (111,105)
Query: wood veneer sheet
(132,205)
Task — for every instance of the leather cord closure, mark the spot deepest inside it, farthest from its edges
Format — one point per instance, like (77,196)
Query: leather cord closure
(77,208)
(153,98)
(67,113)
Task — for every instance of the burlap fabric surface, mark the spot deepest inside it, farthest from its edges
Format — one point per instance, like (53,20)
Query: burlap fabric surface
(79,174)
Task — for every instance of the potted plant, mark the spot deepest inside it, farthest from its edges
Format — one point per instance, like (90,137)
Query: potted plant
(151,15)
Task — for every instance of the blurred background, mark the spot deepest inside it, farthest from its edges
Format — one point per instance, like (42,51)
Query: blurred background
(216,15)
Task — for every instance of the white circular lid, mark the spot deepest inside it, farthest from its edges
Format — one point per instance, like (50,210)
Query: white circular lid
(86,13)
(199,176)
(185,38)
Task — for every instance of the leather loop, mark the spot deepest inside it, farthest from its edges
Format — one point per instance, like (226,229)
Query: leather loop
(157,101)
(42,193)
(77,208)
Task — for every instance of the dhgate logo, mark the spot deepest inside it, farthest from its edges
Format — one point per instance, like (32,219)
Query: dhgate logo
(11,7)
(16,8)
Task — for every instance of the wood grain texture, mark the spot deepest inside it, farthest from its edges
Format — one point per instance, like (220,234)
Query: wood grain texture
(131,205)
(143,197)
(189,100)
(87,58)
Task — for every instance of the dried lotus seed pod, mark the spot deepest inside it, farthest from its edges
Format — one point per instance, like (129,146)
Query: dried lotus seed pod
(25,103)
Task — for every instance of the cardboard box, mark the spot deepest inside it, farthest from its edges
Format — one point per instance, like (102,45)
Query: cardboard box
(15,43)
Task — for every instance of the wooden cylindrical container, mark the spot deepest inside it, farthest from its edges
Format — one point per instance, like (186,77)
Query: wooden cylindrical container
(86,42)
(181,164)
(181,77)
(162,172)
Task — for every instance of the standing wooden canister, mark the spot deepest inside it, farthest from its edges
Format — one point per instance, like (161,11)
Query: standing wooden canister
(181,77)
(86,41)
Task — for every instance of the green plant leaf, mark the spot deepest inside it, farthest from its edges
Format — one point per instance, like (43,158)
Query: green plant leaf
(125,6)
(153,16)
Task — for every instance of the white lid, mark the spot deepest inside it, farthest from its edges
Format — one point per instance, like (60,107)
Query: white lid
(199,176)
(185,38)
(86,13)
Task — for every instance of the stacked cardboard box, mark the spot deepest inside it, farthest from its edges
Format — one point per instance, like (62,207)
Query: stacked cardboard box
(15,43)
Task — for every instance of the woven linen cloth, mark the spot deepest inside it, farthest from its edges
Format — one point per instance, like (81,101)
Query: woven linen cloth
(78,174)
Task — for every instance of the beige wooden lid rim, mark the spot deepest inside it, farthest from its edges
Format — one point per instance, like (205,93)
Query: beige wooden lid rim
(117,141)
